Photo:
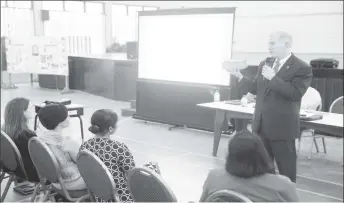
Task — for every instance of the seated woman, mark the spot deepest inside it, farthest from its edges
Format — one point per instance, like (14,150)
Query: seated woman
(54,117)
(17,113)
(250,172)
(115,155)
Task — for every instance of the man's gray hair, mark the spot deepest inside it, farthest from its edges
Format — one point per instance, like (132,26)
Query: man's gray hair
(284,36)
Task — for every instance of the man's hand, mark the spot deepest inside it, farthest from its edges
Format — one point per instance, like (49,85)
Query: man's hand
(268,72)
(250,97)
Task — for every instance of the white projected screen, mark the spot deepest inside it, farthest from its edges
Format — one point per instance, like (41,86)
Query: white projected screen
(185,48)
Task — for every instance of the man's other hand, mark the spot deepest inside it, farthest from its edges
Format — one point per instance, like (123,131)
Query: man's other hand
(234,67)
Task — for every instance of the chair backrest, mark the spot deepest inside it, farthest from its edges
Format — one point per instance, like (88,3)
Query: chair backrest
(96,175)
(311,100)
(146,186)
(10,155)
(337,106)
(227,196)
(44,160)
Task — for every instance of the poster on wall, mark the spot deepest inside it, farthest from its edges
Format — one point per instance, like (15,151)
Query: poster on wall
(38,55)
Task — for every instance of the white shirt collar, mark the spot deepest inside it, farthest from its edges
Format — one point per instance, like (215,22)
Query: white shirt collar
(282,61)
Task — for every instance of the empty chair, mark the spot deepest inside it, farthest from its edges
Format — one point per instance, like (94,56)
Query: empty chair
(97,177)
(48,169)
(227,196)
(11,159)
(337,106)
(311,100)
(147,186)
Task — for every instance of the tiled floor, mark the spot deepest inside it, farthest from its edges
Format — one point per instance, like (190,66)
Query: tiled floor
(184,155)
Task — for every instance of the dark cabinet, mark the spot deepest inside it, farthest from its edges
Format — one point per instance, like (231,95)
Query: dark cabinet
(113,79)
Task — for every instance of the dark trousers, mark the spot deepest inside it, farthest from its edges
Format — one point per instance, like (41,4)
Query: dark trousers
(284,153)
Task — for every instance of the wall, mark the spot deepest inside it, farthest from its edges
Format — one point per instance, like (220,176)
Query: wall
(316,26)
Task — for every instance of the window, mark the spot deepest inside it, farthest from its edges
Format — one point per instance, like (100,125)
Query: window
(133,10)
(74,6)
(119,23)
(92,7)
(3,3)
(133,22)
(82,31)
(19,4)
(150,8)
(52,5)
(120,10)
(16,22)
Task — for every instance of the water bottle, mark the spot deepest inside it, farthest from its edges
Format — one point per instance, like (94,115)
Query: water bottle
(216,96)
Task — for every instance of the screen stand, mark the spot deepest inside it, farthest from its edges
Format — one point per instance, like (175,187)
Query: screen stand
(66,90)
(177,127)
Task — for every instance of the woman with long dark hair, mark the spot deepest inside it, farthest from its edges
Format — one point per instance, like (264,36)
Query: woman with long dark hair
(250,171)
(17,113)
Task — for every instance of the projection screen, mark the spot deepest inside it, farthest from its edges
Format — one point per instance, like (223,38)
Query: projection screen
(185,46)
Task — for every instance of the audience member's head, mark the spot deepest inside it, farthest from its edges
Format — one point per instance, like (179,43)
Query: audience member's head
(103,122)
(280,44)
(247,156)
(17,113)
(54,116)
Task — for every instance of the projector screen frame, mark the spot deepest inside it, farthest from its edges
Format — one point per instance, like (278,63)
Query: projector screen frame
(185,11)
(149,92)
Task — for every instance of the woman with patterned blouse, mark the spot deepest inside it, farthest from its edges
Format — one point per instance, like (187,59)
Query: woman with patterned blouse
(114,154)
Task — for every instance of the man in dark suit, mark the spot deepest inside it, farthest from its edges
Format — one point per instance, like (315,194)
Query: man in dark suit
(279,87)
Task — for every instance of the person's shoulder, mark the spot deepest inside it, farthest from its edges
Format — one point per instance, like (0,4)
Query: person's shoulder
(217,172)
(301,63)
(281,181)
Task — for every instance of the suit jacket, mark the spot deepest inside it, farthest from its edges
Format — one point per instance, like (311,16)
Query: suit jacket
(278,101)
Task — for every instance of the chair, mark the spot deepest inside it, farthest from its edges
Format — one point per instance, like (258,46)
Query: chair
(147,186)
(314,137)
(97,177)
(12,162)
(311,96)
(337,107)
(227,196)
(49,169)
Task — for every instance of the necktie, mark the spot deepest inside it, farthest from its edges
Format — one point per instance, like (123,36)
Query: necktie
(277,65)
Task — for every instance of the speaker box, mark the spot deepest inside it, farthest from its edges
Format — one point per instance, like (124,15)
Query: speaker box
(45,15)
